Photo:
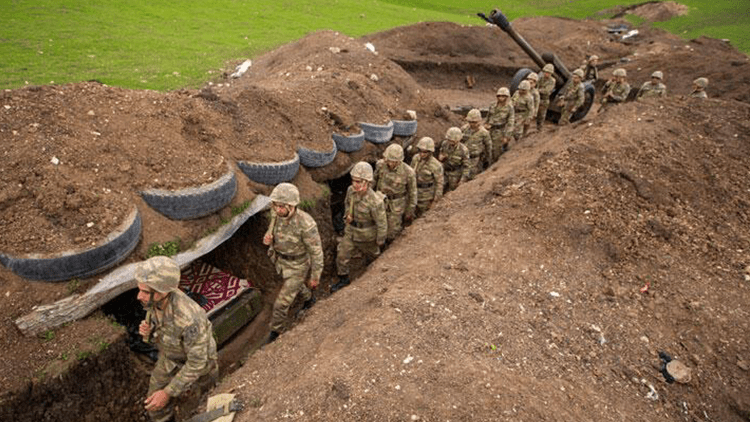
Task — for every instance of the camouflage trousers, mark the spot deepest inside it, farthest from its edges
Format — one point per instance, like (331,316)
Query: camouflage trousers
(542,112)
(452,179)
(394,213)
(295,275)
(566,114)
(475,166)
(346,249)
(520,129)
(499,145)
(179,407)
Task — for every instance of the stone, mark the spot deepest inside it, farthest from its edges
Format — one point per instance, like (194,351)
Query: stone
(679,371)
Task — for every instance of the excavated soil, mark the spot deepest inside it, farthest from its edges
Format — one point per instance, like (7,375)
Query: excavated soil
(534,311)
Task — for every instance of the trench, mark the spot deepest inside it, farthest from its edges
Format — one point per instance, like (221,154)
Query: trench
(112,384)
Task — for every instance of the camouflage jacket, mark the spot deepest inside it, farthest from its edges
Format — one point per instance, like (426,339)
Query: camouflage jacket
(184,336)
(649,90)
(536,97)
(369,222)
(699,94)
(296,237)
(398,185)
(455,158)
(478,142)
(591,73)
(501,117)
(617,91)
(523,106)
(545,86)
(429,178)
(572,95)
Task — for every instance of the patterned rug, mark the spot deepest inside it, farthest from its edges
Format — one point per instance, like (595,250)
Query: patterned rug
(211,287)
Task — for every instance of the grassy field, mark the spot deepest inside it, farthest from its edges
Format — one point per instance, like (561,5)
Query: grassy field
(165,45)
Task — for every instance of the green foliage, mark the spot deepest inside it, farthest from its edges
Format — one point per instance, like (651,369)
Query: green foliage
(240,208)
(64,356)
(154,45)
(73,285)
(169,248)
(83,354)
(306,204)
(48,335)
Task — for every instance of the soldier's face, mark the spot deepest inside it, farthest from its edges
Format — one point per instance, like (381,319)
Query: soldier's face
(502,99)
(392,164)
(474,123)
(282,210)
(548,74)
(360,185)
(424,153)
(144,295)
(655,81)
(576,79)
(532,82)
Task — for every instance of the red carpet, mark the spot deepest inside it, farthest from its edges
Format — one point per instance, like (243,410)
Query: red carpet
(217,286)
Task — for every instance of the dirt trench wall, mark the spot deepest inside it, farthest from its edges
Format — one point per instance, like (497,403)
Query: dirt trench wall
(107,386)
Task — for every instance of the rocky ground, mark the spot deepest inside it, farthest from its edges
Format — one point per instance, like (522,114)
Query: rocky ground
(519,297)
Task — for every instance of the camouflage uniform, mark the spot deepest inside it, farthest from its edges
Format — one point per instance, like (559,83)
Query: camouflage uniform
(572,95)
(400,189)
(479,144)
(537,99)
(523,107)
(296,250)
(367,230)
(591,73)
(501,120)
(618,92)
(187,364)
(652,90)
(429,181)
(455,164)
(545,86)
(698,94)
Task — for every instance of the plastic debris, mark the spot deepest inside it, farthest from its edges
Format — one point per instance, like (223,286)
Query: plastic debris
(241,69)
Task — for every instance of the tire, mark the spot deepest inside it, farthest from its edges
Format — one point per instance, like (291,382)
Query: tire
(270,173)
(377,134)
(404,127)
(351,143)
(82,263)
(312,158)
(189,203)
(590,94)
(517,78)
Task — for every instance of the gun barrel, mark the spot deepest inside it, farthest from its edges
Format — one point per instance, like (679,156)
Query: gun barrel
(498,18)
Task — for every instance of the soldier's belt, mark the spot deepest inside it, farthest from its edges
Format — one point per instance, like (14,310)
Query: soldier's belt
(425,185)
(396,196)
(290,257)
(362,224)
(497,126)
(475,155)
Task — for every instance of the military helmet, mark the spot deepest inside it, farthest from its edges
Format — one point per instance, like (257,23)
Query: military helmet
(549,67)
(427,144)
(160,273)
(503,91)
(533,76)
(394,152)
(362,170)
(454,133)
(474,115)
(701,82)
(578,72)
(524,85)
(620,72)
(285,193)
(657,74)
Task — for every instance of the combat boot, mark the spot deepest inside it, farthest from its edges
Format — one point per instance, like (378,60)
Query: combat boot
(343,282)
(309,303)
(272,336)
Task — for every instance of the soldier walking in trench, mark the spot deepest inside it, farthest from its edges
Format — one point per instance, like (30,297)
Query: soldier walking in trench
(187,365)
(455,158)
(397,181)
(429,175)
(523,109)
(545,85)
(477,139)
(365,219)
(571,97)
(296,251)
(500,120)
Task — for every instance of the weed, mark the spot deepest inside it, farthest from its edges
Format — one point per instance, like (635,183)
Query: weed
(83,355)
(168,248)
(255,402)
(102,345)
(73,285)
(240,208)
(48,335)
(306,204)
(64,356)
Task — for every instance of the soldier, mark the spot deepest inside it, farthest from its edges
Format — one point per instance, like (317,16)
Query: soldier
(187,364)
(653,88)
(699,88)
(571,97)
(545,85)
(523,107)
(616,90)
(500,118)
(591,72)
(429,175)
(366,222)
(477,139)
(455,158)
(533,78)
(397,181)
(296,250)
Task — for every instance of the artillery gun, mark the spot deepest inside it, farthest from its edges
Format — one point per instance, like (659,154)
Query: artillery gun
(562,74)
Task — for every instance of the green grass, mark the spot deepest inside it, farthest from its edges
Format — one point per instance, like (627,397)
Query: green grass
(165,45)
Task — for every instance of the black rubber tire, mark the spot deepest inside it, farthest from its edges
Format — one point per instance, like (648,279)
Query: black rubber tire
(312,158)
(83,263)
(270,173)
(590,94)
(189,203)
(517,78)
(404,127)
(351,143)
(377,134)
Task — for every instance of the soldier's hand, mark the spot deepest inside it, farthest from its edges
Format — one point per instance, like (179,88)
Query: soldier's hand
(313,284)
(267,239)
(348,219)
(157,400)
(381,243)
(144,329)
(409,216)
(441,157)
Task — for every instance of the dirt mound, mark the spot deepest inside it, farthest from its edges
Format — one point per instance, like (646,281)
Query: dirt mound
(658,11)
